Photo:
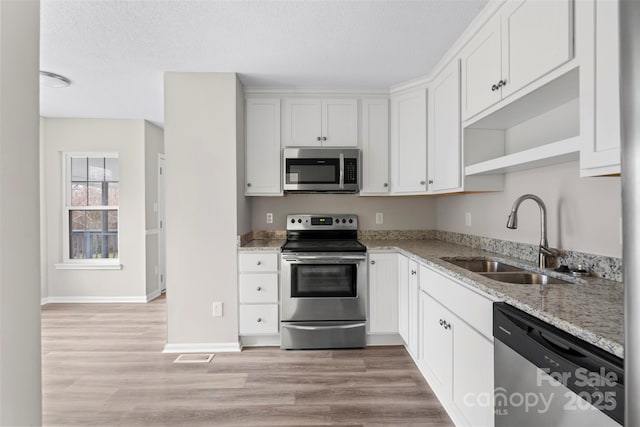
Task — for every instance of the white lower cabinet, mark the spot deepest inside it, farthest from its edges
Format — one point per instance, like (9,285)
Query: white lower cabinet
(408,303)
(455,357)
(383,293)
(258,293)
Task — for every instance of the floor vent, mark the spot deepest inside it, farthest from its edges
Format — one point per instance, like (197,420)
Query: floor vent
(194,358)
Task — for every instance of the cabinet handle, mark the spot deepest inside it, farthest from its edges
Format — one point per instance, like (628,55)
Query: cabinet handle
(413,272)
(385,184)
(441,322)
(259,319)
(259,263)
(422,182)
(248,184)
(319,138)
(372,262)
(502,83)
(494,88)
(430,181)
(259,288)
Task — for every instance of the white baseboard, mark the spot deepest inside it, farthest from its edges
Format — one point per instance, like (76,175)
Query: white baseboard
(214,347)
(153,295)
(92,300)
(384,339)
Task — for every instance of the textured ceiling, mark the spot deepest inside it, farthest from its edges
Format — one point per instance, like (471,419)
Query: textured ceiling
(115,51)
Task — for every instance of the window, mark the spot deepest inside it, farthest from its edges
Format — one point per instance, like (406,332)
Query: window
(91,208)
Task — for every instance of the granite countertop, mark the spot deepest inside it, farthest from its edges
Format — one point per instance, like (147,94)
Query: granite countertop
(590,309)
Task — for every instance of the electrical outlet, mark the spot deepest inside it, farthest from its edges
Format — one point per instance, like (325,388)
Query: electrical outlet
(467,219)
(379,218)
(217,309)
(269,218)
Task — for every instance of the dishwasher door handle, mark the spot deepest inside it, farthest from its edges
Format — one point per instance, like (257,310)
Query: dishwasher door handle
(320,328)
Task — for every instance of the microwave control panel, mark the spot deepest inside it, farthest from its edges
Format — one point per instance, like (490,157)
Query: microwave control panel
(350,171)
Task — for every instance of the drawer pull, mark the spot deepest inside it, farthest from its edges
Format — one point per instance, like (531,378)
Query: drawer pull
(259,288)
(259,319)
(259,263)
(413,272)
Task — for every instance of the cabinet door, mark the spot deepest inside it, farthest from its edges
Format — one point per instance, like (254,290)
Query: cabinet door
(473,375)
(375,146)
(339,122)
(383,293)
(600,151)
(302,122)
(409,142)
(413,309)
(481,69)
(403,297)
(436,341)
(263,176)
(444,130)
(537,38)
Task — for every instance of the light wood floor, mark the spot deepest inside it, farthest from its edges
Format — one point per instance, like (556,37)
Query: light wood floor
(102,366)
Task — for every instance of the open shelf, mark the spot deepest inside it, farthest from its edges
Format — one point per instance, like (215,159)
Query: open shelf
(544,155)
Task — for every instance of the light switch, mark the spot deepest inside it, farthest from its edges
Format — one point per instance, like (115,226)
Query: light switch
(467,219)
(379,218)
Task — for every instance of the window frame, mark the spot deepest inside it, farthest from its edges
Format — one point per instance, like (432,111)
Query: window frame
(67,208)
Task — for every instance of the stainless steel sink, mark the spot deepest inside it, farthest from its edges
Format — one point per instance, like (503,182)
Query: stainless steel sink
(482,265)
(525,278)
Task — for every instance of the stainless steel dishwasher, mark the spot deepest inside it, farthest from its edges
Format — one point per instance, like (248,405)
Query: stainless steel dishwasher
(547,377)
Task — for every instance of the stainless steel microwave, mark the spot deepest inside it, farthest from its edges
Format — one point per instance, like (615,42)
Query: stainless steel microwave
(328,170)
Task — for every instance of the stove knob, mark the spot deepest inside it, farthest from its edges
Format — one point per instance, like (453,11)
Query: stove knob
(344,221)
(299,221)
(350,221)
(337,220)
(293,221)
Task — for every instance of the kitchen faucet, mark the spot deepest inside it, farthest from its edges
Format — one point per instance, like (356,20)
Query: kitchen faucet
(544,252)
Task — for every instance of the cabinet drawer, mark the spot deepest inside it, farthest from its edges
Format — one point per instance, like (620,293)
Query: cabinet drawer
(259,288)
(259,319)
(259,261)
(470,306)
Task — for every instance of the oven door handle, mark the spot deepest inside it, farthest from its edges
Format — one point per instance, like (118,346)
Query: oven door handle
(319,328)
(324,258)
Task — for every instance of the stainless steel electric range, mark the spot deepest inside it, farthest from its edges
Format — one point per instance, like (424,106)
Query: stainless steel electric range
(324,283)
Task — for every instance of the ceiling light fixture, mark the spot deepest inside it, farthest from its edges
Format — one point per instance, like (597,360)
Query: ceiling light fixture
(54,80)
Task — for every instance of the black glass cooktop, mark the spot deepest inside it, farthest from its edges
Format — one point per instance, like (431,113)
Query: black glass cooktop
(323,246)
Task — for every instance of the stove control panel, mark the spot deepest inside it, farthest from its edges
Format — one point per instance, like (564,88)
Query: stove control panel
(322,222)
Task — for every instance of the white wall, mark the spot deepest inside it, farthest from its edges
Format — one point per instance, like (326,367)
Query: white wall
(20,373)
(400,213)
(153,146)
(126,137)
(201,208)
(583,213)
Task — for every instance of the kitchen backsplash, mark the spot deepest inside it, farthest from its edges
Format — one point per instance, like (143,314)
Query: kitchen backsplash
(601,266)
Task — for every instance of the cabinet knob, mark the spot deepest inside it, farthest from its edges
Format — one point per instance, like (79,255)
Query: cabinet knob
(502,83)
(319,138)
(259,288)
(259,263)
(385,184)
(248,184)
(259,319)
(430,181)
(441,322)
(422,182)
(324,138)
(372,262)
(494,88)
(413,272)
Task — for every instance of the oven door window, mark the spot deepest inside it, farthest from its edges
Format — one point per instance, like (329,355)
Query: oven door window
(324,280)
(312,171)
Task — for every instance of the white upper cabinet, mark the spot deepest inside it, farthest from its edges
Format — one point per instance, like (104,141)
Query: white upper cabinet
(316,122)
(375,146)
(445,174)
(409,142)
(481,69)
(262,168)
(600,83)
(524,41)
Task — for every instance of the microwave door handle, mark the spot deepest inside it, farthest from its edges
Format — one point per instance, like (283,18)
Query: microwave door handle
(341,171)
